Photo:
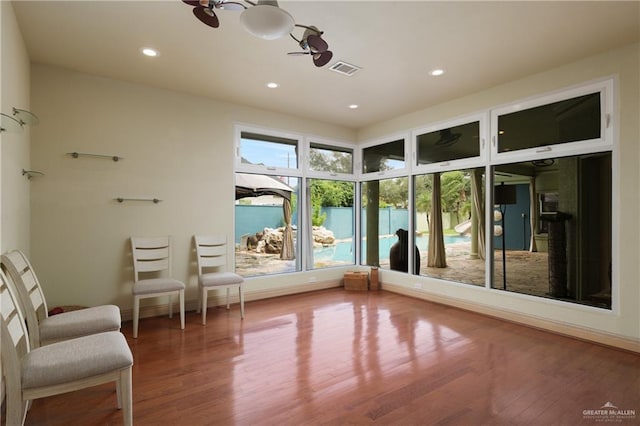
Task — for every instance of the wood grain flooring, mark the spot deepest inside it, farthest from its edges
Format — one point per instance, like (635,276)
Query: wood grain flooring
(346,358)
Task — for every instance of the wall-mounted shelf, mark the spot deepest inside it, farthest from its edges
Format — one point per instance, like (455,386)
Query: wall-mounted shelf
(25,117)
(9,124)
(31,173)
(122,199)
(84,154)
(17,121)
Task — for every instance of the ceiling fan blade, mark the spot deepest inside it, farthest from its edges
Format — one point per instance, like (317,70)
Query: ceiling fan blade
(298,53)
(316,43)
(322,59)
(206,16)
(193,3)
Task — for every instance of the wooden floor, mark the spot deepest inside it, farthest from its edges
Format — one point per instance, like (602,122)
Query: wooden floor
(334,357)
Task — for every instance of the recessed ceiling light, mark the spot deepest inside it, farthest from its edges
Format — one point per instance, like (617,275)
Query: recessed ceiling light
(272,85)
(436,72)
(353,106)
(147,51)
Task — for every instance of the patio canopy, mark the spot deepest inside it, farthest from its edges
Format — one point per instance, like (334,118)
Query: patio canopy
(249,185)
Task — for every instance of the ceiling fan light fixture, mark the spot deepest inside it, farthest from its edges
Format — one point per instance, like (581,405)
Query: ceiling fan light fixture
(267,21)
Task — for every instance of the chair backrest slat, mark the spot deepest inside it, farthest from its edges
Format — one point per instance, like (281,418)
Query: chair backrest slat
(29,280)
(150,254)
(152,265)
(31,298)
(12,320)
(211,251)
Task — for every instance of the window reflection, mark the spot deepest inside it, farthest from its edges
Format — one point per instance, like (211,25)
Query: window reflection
(570,120)
(448,144)
(569,258)
(387,156)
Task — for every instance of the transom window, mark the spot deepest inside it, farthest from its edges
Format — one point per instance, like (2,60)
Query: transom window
(451,143)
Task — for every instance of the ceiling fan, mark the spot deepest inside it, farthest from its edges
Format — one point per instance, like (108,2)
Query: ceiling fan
(204,9)
(312,44)
(265,19)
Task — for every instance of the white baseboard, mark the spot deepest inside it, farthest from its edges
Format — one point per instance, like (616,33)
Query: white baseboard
(595,336)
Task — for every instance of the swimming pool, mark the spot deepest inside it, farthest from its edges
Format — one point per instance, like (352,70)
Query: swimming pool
(343,251)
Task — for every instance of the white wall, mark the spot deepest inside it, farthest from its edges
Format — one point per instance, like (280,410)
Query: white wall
(14,147)
(176,147)
(625,323)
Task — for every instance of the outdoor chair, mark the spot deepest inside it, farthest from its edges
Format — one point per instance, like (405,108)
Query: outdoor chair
(212,254)
(45,329)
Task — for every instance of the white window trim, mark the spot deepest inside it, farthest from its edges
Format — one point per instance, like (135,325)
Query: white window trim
(604,143)
(386,174)
(262,169)
(463,163)
(319,174)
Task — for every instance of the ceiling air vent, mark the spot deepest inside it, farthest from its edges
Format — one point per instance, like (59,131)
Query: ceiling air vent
(342,67)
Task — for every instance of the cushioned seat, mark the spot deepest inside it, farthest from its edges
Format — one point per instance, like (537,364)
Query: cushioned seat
(155,285)
(79,323)
(220,278)
(45,329)
(75,359)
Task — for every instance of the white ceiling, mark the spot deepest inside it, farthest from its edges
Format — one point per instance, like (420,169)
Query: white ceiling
(479,44)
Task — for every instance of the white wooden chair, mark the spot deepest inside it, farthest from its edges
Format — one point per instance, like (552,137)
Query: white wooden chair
(59,367)
(45,329)
(212,253)
(152,255)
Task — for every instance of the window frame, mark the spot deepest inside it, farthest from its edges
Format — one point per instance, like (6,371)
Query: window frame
(384,174)
(489,158)
(603,143)
(241,167)
(470,162)
(328,143)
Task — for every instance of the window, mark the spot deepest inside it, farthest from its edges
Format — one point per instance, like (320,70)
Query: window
(569,120)
(531,212)
(292,215)
(324,158)
(451,143)
(449,220)
(383,157)
(267,193)
(385,223)
(268,151)
(564,123)
(573,260)
(266,224)
(333,222)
